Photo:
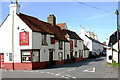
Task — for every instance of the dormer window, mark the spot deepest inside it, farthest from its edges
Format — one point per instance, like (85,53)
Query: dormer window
(44,39)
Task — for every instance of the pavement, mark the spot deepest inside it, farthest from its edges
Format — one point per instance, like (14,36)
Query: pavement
(89,68)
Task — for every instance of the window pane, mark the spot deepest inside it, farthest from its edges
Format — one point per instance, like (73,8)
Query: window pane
(44,40)
(26,56)
(10,56)
(60,45)
(35,57)
(60,56)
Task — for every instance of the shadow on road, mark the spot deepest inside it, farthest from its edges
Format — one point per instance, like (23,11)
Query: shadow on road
(79,63)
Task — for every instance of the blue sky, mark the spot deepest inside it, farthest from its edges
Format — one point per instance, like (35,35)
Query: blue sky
(74,14)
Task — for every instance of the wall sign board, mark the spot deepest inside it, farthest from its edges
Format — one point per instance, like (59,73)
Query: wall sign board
(24,38)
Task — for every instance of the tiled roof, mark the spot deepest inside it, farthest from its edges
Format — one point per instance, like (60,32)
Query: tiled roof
(71,34)
(43,27)
(96,41)
(61,25)
(113,39)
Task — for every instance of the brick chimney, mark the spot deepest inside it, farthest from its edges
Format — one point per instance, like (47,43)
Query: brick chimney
(52,20)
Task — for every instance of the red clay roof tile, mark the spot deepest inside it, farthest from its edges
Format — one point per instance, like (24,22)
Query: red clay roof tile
(43,27)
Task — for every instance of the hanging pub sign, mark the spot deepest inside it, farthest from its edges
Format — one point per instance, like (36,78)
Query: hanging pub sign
(24,38)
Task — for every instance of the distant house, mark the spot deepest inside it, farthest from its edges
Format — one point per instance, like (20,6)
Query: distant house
(112,48)
(85,52)
(76,43)
(28,43)
(91,42)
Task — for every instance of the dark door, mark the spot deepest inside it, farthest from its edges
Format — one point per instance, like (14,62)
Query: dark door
(71,54)
(51,56)
(67,57)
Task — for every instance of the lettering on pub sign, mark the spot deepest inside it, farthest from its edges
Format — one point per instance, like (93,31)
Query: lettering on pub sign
(24,38)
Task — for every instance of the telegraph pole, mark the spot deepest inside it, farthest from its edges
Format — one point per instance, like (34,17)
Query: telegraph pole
(117,13)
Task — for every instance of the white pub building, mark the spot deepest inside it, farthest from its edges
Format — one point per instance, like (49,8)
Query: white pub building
(28,43)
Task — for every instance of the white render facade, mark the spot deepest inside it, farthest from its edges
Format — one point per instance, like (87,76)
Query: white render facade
(91,43)
(10,32)
(37,53)
(112,51)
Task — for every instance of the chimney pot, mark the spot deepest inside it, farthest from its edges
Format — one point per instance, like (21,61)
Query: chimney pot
(52,20)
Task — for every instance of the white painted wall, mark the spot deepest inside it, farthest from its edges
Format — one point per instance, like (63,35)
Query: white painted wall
(109,52)
(78,48)
(67,49)
(17,48)
(85,53)
(115,56)
(93,46)
(6,38)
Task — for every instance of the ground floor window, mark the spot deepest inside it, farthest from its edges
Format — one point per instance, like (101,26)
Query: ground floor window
(26,56)
(35,56)
(10,56)
(75,54)
(30,55)
(80,53)
(60,56)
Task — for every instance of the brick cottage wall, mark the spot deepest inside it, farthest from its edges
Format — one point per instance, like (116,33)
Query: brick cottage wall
(24,66)
(78,59)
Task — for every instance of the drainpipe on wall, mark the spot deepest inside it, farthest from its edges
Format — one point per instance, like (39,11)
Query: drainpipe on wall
(13,38)
(64,52)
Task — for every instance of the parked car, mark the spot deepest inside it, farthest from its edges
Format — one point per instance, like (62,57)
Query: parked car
(103,53)
(92,55)
(97,54)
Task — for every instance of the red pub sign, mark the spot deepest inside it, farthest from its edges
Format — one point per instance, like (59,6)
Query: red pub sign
(24,38)
(71,44)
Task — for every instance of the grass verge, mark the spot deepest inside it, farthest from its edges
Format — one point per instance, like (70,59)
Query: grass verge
(114,64)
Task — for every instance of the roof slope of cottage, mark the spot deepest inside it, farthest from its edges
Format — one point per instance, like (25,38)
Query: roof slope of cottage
(96,41)
(4,20)
(71,34)
(113,39)
(43,27)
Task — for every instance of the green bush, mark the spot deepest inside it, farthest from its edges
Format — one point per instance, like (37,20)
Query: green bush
(48,64)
